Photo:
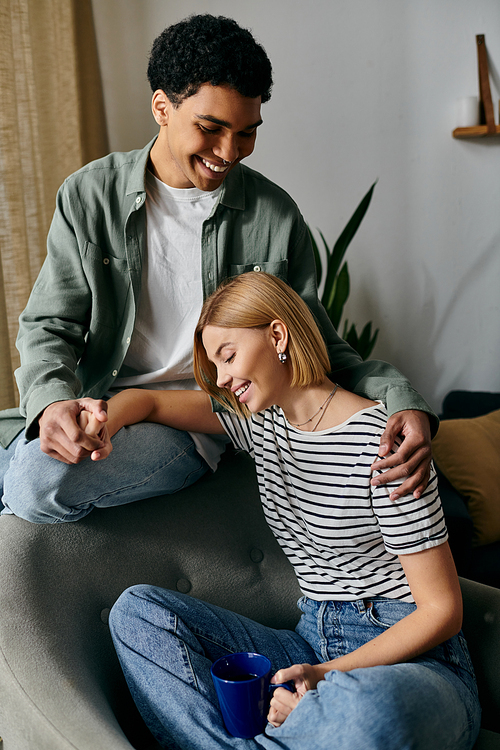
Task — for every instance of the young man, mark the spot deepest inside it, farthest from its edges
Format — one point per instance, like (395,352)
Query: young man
(137,242)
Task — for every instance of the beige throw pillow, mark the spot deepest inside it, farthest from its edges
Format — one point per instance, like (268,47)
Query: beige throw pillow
(468,453)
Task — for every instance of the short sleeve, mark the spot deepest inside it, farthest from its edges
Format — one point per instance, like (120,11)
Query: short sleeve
(238,430)
(409,524)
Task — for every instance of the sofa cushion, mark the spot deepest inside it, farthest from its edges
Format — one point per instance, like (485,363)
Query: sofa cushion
(468,453)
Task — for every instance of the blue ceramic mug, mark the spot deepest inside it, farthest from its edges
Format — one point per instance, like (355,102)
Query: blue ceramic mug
(242,685)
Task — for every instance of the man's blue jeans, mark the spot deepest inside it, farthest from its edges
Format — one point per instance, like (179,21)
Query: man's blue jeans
(166,643)
(147,459)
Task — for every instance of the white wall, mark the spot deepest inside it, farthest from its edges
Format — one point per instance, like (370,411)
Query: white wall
(366,89)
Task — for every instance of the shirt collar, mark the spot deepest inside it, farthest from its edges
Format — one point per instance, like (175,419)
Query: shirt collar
(137,179)
(233,187)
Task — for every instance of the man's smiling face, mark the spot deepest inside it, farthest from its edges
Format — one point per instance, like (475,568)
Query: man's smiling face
(203,138)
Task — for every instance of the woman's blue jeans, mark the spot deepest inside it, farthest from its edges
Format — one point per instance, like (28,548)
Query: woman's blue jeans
(166,643)
(147,459)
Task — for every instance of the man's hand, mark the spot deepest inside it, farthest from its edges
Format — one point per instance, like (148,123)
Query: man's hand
(412,459)
(61,435)
(97,429)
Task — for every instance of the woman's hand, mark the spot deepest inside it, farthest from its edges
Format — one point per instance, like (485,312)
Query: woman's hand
(305,677)
(96,428)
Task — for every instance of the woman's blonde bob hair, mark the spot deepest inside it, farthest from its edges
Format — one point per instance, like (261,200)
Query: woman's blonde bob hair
(254,300)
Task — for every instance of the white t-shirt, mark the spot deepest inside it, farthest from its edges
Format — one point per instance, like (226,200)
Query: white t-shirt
(341,535)
(160,354)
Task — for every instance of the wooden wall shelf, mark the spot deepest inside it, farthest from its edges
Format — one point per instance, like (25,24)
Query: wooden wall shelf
(478,131)
(489,129)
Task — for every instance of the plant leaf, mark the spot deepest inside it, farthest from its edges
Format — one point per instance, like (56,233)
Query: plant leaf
(326,290)
(345,238)
(339,297)
(325,243)
(337,283)
(363,344)
(350,335)
(369,347)
(366,341)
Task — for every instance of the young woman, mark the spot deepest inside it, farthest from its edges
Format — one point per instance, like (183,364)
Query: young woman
(377,659)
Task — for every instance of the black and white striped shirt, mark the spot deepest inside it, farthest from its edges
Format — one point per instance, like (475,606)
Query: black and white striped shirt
(342,535)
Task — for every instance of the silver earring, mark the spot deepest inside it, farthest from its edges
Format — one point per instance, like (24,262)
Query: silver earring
(282,357)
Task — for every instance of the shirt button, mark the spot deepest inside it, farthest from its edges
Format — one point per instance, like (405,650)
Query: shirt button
(128,340)
(256,555)
(106,261)
(183,585)
(114,373)
(257,269)
(138,199)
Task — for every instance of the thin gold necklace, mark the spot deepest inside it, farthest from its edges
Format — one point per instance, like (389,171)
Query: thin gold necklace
(321,409)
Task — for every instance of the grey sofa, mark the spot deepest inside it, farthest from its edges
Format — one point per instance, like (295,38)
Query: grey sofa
(61,687)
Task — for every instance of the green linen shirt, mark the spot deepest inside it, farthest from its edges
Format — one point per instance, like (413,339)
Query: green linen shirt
(78,323)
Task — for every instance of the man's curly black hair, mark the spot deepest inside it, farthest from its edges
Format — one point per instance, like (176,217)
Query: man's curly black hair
(208,49)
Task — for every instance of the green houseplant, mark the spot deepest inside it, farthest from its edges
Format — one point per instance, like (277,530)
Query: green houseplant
(337,284)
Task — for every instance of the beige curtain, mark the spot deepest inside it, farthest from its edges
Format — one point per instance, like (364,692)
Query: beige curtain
(51,123)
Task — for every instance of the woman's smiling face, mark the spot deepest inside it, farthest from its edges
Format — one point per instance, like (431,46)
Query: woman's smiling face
(247,364)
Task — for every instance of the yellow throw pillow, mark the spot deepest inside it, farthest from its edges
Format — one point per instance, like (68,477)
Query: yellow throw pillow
(468,453)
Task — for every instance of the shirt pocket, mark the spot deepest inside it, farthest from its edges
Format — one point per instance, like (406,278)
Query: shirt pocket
(277,268)
(109,282)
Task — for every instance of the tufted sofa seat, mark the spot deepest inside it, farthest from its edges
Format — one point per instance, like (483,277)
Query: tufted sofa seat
(61,687)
